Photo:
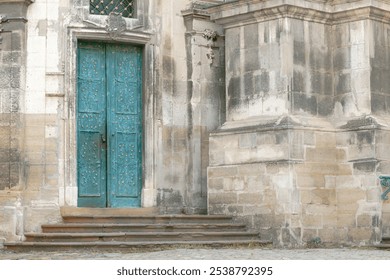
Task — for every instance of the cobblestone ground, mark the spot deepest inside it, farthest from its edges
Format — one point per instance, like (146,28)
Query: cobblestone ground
(206,254)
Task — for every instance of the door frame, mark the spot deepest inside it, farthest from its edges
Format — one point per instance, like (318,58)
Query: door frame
(69,189)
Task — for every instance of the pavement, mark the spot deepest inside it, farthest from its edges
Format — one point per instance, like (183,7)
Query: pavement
(363,253)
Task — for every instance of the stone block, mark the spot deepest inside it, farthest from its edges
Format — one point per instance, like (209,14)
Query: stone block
(299,81)
(341,154)
(342,58)
(35,177)
(361,234)
(305,196)
(265,138)
(216,157)
(7,222)
(313,181)
(222,198)
(291,236)
(325,139)
(330,220)
(215,184)
(222,171)
(378,102)
(250,198)
(257,183)
(284,196)
(262,83)
(312,168)
(309,138)
(324,196)
(364,167)
(312,221)
(346,220)
(364,220)
(299,53)
(258,209)
(321,83)
(267,235)
(251,170)
(252,61)
(277,168)
(374,195)
(247,140)
(270,197)
(234,210)
(348,182)
(309,234)
(341,235)
(382,151)
(327,235)
(251,35)
(283,181)
(330,182)
(325,105)
(324,154)
(297,152)
(234,184)
(304,103)
(347,208)
(34,217)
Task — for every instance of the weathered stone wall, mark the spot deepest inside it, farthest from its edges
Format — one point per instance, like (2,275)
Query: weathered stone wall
(257,70)
(12,89)
(298,185)
(183,99)
(307,169)
(312,77)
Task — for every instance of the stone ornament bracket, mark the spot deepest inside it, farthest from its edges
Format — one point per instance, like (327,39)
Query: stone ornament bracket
(211,36)
(385,182)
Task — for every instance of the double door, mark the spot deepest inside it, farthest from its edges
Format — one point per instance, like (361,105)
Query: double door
(109,125)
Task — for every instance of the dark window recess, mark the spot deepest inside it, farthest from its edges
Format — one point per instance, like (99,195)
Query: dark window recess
(124,8)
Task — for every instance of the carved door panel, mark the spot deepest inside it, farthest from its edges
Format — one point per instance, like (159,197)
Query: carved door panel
(109,127)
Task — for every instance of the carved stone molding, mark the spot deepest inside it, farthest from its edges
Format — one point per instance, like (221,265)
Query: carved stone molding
(116,25)
(321,14)
(2,20)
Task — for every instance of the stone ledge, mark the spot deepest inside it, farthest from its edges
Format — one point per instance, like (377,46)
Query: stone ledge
(265,12)
(27,2)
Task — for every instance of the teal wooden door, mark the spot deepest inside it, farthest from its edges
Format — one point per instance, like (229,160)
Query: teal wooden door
(109,125)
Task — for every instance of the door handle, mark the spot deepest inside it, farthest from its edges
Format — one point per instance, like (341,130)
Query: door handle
(103,138)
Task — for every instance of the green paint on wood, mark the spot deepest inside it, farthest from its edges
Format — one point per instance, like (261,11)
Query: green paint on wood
(109,125)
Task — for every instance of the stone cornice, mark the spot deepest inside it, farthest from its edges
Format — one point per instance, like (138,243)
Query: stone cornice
(235,14)
(302,13)
(26,2)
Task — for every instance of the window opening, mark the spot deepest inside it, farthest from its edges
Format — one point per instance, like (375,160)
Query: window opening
(125,8)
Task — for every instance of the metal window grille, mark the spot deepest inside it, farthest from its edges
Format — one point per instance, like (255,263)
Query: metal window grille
(124,8)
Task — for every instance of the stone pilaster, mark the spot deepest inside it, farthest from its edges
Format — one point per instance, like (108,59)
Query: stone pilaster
(12,85)
(205,109)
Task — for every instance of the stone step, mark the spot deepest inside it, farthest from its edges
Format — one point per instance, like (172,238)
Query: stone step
(385,240)
(385,243)
(106,227)
(142,245)
(134,216)
(158,219)
(85,211)
(139,227)
(140,236)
